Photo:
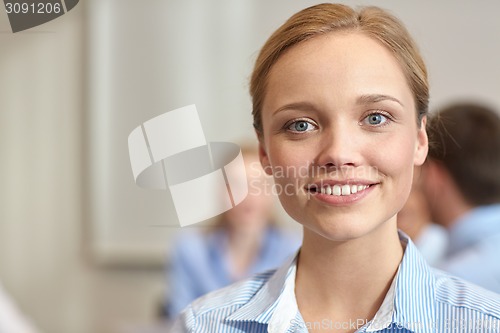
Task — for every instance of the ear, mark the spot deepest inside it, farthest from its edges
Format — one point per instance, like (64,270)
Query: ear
(422,145)
(264,158)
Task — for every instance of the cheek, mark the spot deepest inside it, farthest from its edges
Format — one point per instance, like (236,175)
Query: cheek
(399,149)
(397,165)
(291,164)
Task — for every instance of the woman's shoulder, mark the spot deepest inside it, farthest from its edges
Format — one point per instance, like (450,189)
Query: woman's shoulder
(234,295)
(217,306)
(457,294)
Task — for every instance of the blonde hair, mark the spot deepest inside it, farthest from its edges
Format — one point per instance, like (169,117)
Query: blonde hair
(325,18)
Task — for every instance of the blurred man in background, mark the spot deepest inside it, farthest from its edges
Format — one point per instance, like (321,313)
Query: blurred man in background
(415,220)
(462,185)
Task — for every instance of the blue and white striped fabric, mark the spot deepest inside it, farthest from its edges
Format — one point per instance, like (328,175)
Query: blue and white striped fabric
(420,299)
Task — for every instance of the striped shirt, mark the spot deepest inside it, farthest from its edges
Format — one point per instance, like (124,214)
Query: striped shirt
(420,299)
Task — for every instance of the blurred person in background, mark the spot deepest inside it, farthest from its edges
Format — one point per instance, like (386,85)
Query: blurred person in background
(244,241)
(415,220)
(462,185)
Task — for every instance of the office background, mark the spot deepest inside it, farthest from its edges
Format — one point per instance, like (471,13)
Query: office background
(81,247)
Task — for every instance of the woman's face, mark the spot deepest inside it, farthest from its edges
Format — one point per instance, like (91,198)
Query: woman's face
(340,135)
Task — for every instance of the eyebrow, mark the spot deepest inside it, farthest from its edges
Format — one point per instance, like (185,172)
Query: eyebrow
(374,98)
(361,100)
(301,106)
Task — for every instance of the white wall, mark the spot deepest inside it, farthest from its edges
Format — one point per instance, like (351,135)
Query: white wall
(153,56)
(43,230)
(40,138)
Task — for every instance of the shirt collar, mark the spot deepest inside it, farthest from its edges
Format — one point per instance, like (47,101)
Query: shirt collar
(261,306)
(409,303)
(414,299)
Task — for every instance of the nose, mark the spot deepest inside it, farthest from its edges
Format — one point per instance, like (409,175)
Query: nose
(339,146)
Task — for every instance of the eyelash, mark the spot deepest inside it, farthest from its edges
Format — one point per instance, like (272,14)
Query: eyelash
(287,126)
(385,114)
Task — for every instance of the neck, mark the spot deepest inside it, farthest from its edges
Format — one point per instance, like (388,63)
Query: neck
(448,205)
(347,279)
(450,208)
(414,227)
(241,238)
(243,248)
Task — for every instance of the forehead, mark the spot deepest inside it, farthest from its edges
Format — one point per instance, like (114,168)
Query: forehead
(349,62)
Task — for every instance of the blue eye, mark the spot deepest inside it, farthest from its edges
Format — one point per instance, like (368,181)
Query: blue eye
(375,119)
(301,126)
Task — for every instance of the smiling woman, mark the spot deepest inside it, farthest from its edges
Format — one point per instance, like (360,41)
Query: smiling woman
(343,94)
(355,103)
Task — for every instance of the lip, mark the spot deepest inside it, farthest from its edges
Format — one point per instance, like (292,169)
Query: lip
(342,200)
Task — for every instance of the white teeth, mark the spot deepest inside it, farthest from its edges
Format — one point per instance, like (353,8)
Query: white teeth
(336,190)
(346,190)
(329,190)
(342,189)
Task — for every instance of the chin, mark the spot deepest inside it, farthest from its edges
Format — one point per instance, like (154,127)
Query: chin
(344,227)
(340,231)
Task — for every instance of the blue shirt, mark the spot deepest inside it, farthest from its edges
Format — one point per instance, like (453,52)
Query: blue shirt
(421,299)
(474,247)
(198,263)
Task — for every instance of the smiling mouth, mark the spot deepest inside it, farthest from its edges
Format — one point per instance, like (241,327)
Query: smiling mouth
(339,189)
